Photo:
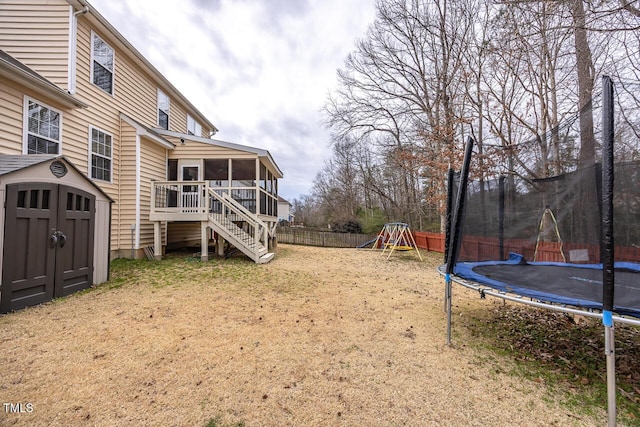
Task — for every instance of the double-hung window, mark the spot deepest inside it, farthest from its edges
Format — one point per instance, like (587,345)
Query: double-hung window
(42,128)
(101,152)
(163,110)
(193,127)
(102,64)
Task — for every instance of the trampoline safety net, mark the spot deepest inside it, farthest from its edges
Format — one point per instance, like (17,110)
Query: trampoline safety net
(540,237)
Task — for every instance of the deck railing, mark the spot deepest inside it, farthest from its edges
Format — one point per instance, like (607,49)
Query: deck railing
(178,200)
(188,200)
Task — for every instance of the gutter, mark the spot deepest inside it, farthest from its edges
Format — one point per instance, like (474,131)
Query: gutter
(73,43)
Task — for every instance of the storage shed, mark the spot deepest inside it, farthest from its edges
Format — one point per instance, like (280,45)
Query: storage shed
(54,230)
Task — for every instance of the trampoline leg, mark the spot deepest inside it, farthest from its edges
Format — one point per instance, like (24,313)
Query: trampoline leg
(610,352)
(446,295)
(447,307)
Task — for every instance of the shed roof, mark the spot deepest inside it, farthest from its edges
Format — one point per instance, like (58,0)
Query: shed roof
(14,162)
(11,163)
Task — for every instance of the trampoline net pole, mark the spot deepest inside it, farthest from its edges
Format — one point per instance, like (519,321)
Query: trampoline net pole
(608,256)
(501,217)
(456,226)
(450,192)
(454,244)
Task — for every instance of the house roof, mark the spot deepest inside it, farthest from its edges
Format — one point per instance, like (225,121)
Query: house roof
(14,162)
(148,132)
(263,154)
(96,17)
(16,71)
(282,200)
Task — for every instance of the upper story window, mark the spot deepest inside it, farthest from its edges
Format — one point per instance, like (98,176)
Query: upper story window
(102,64)
(193,127)
(163,110)
(42,128)
(101,154)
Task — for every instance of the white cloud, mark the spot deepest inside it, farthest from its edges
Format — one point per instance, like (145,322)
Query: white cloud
(260,70)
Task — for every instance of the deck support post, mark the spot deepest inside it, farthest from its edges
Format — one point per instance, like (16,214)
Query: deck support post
(157,240)
(220,245)
(204,241)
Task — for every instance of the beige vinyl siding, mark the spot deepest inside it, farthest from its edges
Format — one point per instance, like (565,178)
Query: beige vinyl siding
(206,131)
(12,122)
(127,196)
(37,34)
(178,120)
(181,233)
(152,166)
(199,150)
(11,114)
(135,92)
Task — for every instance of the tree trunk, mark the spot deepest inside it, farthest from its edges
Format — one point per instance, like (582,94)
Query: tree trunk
(585,71)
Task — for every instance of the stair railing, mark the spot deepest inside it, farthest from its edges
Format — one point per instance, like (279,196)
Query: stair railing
(225,210)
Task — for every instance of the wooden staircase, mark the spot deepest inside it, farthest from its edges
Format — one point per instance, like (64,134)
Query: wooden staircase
(239,226)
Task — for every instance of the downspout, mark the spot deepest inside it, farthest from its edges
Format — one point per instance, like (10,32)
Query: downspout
(73,42)
(136,225)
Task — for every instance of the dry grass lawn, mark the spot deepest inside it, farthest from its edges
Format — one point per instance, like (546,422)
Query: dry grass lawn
(335,337)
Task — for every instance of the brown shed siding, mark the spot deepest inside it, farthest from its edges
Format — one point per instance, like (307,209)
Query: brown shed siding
(28,26)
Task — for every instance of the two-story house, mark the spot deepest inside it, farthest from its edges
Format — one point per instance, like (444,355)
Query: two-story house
(102,157)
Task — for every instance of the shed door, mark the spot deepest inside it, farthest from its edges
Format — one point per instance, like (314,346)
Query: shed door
(48,243)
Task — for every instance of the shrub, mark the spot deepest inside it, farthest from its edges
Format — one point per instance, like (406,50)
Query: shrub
(349,226)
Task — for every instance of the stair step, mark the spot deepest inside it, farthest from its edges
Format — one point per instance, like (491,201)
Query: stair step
(238,236)
(266,258)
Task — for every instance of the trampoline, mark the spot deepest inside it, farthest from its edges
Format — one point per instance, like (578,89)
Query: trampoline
(568,242)
(554,284)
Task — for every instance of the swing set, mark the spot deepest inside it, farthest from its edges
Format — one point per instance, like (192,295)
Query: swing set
(395,236)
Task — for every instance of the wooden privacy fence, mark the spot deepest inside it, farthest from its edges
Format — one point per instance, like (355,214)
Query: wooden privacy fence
(472,248)
(429,241)
(487,248)
(302,236)
(329,239)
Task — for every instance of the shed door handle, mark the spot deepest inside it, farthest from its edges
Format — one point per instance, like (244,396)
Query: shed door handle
(54,239)
(62,237)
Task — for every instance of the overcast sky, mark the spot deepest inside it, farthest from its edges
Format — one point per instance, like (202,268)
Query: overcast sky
(260,70)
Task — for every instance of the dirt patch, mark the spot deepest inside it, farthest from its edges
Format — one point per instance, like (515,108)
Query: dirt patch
(316,337)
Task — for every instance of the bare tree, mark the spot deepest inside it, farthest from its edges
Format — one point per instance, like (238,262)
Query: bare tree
(519,75)
(401,91)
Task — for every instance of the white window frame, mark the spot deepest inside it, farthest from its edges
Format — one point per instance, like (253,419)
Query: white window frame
(92,153)
(25,125)
(113,72)
(167,112)
(190,194)
(193,127)
(183,166)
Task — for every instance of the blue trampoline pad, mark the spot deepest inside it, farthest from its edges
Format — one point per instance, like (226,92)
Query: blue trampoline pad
(579,285)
